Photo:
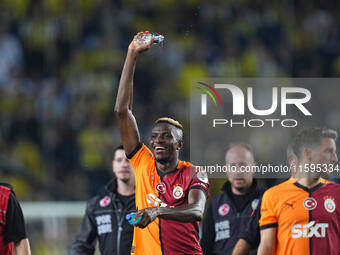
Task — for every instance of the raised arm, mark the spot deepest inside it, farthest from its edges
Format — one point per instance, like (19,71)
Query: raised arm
(123,108)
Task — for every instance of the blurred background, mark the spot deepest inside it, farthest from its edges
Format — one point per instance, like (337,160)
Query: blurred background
(60,63)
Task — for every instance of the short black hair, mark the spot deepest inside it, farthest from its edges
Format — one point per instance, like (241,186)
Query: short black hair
(311,137)
(120,147)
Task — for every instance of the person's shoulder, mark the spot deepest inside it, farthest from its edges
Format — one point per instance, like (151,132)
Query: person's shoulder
(141,149)
(6,189)
(102,199)
(220,199)
(6,186)
(186,168)
(194,172)
(258,189)
(325,181)
(189,167)
(279,189)
(331,190)
(331,186)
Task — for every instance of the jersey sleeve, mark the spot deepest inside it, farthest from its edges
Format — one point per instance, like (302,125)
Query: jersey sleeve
(199,181)
(139,158)
(268,216)
(15,224)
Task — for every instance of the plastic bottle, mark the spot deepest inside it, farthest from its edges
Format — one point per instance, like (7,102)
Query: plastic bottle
(146,37)
(129,217)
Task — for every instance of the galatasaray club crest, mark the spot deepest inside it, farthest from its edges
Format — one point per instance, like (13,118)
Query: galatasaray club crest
(177,192)
(329,205)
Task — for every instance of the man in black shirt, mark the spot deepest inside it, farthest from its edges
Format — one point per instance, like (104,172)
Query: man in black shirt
(230,212)
(12,224)
(105,214)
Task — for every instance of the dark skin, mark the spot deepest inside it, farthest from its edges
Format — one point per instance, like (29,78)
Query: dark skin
(193,211)
(165,143)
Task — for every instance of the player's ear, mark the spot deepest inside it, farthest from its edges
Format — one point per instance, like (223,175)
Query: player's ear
(307,152)
(180,144)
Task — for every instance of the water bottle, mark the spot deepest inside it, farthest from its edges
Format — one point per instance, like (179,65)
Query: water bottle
(146,37)
(130,216)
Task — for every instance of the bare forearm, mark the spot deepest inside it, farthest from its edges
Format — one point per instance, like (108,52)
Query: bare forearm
(23,247)
(125,91)
(265,250)
(268,242)
(184,213)
(242,247)
(191,212)
(123,109)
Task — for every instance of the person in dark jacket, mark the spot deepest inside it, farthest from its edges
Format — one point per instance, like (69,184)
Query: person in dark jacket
(12,224)
(104,218)
(230,212)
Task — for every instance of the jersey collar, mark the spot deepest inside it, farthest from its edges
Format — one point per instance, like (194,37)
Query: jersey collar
(309,190)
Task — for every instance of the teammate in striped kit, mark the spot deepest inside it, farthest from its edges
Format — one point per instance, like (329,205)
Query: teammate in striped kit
(303,216)
(170,194)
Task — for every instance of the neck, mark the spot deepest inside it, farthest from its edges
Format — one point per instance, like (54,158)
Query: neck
(239,192)
(168,166)
(308,182)
(125,188)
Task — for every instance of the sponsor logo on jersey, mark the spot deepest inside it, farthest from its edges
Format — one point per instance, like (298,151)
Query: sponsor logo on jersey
(223,209)
(289,204)
(105,201)
(310,203)
(309,230)
(155,201)
(177,192)
(161,187)
(329,205)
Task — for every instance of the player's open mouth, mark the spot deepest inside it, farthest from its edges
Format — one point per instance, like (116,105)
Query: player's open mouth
(158,149)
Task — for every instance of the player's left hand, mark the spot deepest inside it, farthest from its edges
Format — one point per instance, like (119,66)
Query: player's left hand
(148,216)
